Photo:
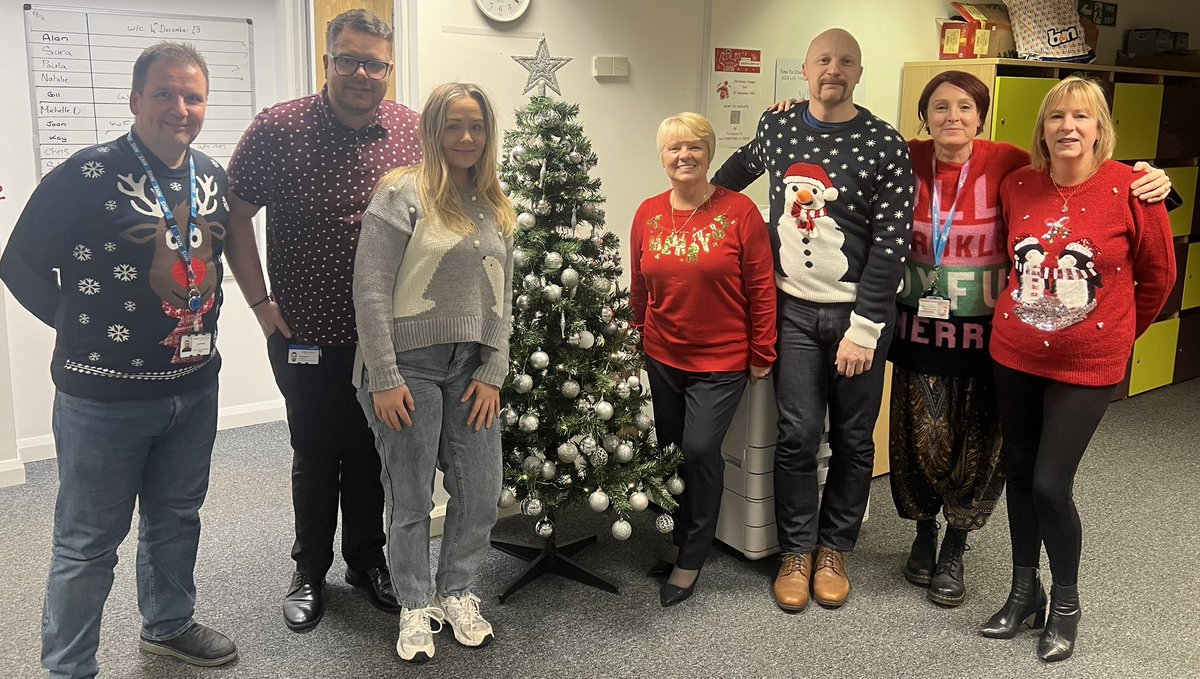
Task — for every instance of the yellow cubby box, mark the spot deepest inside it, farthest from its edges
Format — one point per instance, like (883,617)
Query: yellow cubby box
(1154,357)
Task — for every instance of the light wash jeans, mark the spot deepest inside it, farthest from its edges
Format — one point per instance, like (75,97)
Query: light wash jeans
(437,376)
(110,454)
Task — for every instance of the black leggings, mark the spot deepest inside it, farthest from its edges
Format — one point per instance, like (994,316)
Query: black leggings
(1047,426)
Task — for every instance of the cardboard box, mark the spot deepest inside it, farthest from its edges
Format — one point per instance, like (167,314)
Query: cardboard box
(1146,42)
(1179,41)
(982,32)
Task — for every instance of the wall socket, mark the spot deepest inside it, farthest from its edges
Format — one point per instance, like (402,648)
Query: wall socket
(610,67)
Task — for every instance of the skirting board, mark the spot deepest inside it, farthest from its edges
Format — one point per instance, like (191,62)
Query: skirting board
(12,473)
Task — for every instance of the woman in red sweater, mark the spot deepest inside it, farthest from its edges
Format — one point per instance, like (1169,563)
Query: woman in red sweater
(1061,337)
(703,294)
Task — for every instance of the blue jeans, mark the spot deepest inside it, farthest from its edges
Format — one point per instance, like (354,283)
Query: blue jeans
(806,381)
(110,454)
(437,376)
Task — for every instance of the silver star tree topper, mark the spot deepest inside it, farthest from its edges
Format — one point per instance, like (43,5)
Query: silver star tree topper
(542,67)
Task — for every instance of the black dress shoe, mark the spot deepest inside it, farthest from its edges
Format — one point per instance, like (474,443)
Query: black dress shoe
(304,604)
(200,645)
(669,594)
(661,569)
(377,583)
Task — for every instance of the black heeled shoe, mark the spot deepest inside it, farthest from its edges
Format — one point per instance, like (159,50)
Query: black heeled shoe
(661,569)
(1026,604)
(1058,639)
(669,594)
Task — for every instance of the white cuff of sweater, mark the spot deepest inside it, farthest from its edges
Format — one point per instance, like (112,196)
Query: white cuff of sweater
(863,331)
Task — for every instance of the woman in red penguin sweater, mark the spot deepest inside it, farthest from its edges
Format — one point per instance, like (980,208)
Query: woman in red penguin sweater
(702,287)
(1061,337)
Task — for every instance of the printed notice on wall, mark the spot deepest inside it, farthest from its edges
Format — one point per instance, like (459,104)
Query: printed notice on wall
(80,67)
(736,98)
(789,79)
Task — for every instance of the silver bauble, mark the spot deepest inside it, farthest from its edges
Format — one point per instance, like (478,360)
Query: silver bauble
(522,384)
(517,153)
(548,118)
(606,315)
(621,529)
(528,423)
(675,485)
(604,410)
(524,302)
(532,463)
(526,220)
(639,501)
(609,329)
(508,416)
(552,293)
(520,257)
(633,381)
(531,506)
(598,500)
(623,390)
(553,260)
(570,388)
(539,360)
(610,442)
(586,339)
(575,157)
(570,277)
(508,496)
(544,528)
(599,458)
(624,453)
(532,281)
(601,284)
(588,445)
(664,523)
(642,421)
(567,452)
(543,207)
(549,470)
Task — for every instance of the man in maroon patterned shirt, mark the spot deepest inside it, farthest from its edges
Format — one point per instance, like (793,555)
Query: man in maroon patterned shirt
(313,162)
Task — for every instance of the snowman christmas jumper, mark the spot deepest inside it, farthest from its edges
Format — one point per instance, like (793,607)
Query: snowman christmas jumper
(1071,309)
(841,210)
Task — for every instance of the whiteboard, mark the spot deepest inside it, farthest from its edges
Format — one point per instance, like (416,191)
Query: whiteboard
(81,65)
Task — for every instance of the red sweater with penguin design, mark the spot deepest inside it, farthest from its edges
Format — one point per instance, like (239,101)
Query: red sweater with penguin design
(1071,310)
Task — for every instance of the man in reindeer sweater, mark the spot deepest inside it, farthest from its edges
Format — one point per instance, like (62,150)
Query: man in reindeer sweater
(119,251)
(841,215)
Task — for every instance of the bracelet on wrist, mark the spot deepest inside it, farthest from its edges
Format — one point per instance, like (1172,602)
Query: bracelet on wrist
(261,301)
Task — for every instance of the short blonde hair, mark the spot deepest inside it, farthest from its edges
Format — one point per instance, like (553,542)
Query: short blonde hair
(686,125)
(1088,93)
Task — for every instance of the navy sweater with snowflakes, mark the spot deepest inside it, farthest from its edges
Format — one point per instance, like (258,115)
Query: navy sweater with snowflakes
(91,256)
(841,210)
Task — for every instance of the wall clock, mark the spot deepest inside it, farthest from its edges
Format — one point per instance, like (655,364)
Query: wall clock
(503,10)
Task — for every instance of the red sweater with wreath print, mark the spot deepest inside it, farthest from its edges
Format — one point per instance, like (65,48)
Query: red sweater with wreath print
(702,286)
(1071,309)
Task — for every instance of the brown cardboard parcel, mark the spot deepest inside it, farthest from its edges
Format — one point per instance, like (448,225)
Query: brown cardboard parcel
(983,32)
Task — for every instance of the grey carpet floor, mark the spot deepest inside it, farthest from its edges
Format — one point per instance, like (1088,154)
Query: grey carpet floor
(1136,490)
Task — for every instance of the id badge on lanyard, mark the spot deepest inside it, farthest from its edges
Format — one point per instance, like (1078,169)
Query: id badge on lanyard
(932,305)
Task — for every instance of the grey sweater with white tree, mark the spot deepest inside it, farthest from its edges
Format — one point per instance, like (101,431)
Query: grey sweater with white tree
(417,284)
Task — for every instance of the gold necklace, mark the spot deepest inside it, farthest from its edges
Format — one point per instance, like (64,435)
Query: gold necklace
(1067,198)
(676,229)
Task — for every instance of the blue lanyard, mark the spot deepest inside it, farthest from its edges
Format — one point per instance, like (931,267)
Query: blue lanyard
(941,232)
(185,244)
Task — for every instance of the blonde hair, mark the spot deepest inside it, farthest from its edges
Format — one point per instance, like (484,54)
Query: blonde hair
(686,125)
(1089,94)
(432,176)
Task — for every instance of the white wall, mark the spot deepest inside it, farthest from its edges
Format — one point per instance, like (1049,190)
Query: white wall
(248,392)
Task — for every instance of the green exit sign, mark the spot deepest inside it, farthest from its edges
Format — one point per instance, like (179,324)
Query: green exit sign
(1101,13)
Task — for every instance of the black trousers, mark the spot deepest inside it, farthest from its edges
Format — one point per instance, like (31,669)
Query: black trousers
(694,410)
(333,459)
(1047,426)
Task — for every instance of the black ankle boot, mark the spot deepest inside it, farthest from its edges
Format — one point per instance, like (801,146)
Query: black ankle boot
(1058,639)
(921,559)
(946,587)
(1026,604)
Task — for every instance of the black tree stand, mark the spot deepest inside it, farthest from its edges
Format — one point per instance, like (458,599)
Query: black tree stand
(552,558)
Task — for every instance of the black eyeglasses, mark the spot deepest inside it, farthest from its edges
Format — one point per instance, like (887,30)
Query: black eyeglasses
(348,66)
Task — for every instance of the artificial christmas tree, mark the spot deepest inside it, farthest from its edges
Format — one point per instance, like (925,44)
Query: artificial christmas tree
(574,426)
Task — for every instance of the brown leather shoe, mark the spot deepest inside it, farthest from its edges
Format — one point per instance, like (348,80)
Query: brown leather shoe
(791,583)
(830,585)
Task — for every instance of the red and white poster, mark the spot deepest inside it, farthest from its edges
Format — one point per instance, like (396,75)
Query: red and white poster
(735,95)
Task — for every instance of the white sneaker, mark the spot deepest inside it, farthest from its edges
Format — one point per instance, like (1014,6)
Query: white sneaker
(416,633)
(470,629)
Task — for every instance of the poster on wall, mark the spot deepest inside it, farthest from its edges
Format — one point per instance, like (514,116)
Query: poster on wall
(735,98)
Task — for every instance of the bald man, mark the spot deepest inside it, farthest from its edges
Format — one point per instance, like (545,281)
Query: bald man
(841,214)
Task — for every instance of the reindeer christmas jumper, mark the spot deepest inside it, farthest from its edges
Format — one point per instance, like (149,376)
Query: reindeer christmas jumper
(120,301)
(1071,310)
(841,210)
